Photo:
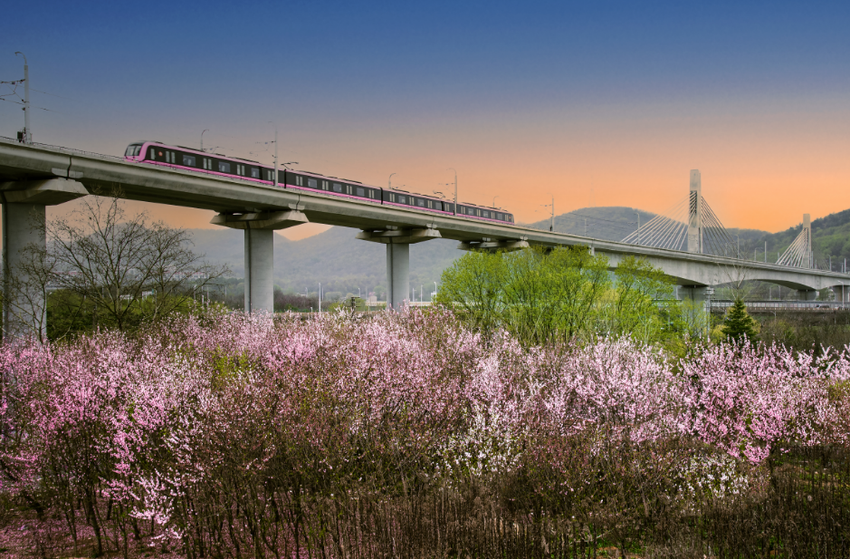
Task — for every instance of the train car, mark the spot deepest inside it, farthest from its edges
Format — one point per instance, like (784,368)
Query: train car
(178,157)
(312,182)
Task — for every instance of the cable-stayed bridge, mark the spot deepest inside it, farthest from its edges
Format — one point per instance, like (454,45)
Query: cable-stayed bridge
(35,176)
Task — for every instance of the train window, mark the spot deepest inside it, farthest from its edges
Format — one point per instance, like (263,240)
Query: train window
(348,188)
(337,187)
(500,217)
(392,197)
(153,153)
(402,199)
(207,163)
(471,211)
(170,157)
(324,185)
(223,167)
(255,173)
(188,160)
(312,183)
(438,206)
(361,192)
(485,214)
(240,170)
(299,180)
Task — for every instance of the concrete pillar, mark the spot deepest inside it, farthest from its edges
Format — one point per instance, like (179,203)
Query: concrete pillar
(807,295)
(259,270)
(24,212)
(398,243)
(695,213)
(259,230)
(24,308)
(398,275)
(700,296)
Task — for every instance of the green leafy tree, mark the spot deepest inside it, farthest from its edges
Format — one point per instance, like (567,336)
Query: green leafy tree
(578,283)
(633,305)
(536,295)
(472,286)
(738,325)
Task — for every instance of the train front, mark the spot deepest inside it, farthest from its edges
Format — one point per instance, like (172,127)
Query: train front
(134,152)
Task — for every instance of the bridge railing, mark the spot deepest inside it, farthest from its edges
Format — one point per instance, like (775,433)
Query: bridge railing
(782,305)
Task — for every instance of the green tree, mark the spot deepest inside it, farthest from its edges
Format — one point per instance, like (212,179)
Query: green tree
(534,294)
(633,305)
(578,283)
(738,324)
(472,286)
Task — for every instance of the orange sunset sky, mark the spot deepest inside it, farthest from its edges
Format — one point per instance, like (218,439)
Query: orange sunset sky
(610,104)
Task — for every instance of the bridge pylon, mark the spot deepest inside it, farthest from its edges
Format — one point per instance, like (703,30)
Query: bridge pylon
(799,252)
(694,213)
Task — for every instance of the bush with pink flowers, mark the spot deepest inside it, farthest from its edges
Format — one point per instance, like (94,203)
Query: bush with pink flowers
(407,435)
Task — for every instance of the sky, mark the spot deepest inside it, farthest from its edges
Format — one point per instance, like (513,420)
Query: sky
(602,103)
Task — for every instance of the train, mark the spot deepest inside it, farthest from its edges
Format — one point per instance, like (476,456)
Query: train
(188,159)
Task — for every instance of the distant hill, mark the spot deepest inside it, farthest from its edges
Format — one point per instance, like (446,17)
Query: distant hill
(343,264)
(610,223)
(333,258)
(614,223)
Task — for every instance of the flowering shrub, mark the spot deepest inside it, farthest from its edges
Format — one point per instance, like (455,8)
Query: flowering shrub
(363,437)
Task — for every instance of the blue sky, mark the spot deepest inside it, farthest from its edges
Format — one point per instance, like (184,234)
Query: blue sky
(524,99)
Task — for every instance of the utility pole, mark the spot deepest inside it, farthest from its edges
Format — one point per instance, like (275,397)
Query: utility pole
(275,163)
(390,181)
(26,137)
(202,138)
(552,224)
(452,169)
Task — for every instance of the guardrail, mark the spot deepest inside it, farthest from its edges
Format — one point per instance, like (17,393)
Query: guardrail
(783,305)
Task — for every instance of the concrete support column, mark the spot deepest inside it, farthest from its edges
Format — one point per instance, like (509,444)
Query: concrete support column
(398,275)
(24,308)
(259,230)
(24,214)
(700,296)
(398,243)
(259,270)
(807,294)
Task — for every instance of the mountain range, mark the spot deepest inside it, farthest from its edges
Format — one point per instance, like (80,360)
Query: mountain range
(343,264)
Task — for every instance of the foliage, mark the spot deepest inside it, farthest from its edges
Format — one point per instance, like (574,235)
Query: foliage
(410,435)
(542,296)
(738,324)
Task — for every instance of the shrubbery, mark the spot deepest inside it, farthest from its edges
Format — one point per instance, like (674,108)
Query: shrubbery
(542,296)
(406,435)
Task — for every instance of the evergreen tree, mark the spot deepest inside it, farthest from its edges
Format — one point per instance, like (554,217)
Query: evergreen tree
(738,324)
